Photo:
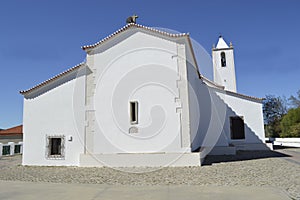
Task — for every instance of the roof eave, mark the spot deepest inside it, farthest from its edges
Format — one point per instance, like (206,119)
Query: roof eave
(50,80)
(257,99)
(88,48)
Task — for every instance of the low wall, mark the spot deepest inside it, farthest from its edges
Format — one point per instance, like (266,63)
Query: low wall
(287,142)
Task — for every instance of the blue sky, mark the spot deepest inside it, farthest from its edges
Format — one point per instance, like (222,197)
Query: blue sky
(40,39)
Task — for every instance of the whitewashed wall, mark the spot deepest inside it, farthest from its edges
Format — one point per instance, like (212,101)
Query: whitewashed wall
(216,107)
(140,67)
(93,108)
(207,114)
(252,114)
(57,109)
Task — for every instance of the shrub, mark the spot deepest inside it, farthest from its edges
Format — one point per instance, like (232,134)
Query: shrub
(290,123)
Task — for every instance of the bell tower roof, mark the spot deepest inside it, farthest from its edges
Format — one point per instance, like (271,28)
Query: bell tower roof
(221,43)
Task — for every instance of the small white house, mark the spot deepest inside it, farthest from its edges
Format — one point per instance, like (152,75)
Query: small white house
(140,100)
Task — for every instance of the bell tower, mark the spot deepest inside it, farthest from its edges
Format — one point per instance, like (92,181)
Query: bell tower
(223,64)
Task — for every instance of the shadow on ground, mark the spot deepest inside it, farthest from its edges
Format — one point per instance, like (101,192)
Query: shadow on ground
(243,155)
(276,147)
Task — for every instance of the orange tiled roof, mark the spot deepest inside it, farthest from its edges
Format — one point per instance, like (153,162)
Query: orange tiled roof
(17,130)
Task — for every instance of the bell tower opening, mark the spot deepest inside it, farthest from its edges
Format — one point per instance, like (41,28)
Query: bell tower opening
(223,59)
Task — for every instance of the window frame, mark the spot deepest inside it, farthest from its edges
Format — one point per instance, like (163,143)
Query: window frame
(49,155)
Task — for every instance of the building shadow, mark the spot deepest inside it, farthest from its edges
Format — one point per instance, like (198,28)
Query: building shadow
(242,156)
(279,147)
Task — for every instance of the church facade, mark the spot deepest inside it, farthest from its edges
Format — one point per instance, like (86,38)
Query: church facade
(139,99)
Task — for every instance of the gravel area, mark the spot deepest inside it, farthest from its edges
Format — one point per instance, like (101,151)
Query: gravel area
(245,169)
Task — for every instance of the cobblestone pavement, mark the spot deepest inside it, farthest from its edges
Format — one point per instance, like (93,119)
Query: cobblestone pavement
(293,154)
(257,169)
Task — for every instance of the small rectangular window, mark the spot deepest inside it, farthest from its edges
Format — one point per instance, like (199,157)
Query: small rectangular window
(133,112)
(55,147)
(237,128)
(17,149)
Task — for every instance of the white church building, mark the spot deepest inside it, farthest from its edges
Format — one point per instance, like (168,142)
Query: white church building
(139,99)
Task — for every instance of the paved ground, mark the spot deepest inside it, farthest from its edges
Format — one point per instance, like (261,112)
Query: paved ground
(293,154)
(48,191)
(248,175)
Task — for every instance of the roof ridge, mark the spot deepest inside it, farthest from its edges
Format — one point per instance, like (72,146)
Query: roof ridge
(127,26)
(52,78)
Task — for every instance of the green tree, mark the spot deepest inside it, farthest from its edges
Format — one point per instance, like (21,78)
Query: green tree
(290,123)
(273,108)
(295,101)
(273,129)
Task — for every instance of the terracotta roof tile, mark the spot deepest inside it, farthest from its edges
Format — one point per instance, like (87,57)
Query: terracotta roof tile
(17,130)
(52,78)
(126,27)
(136,26)
(222,88)
(206,80)
(98,43)
(244,96)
